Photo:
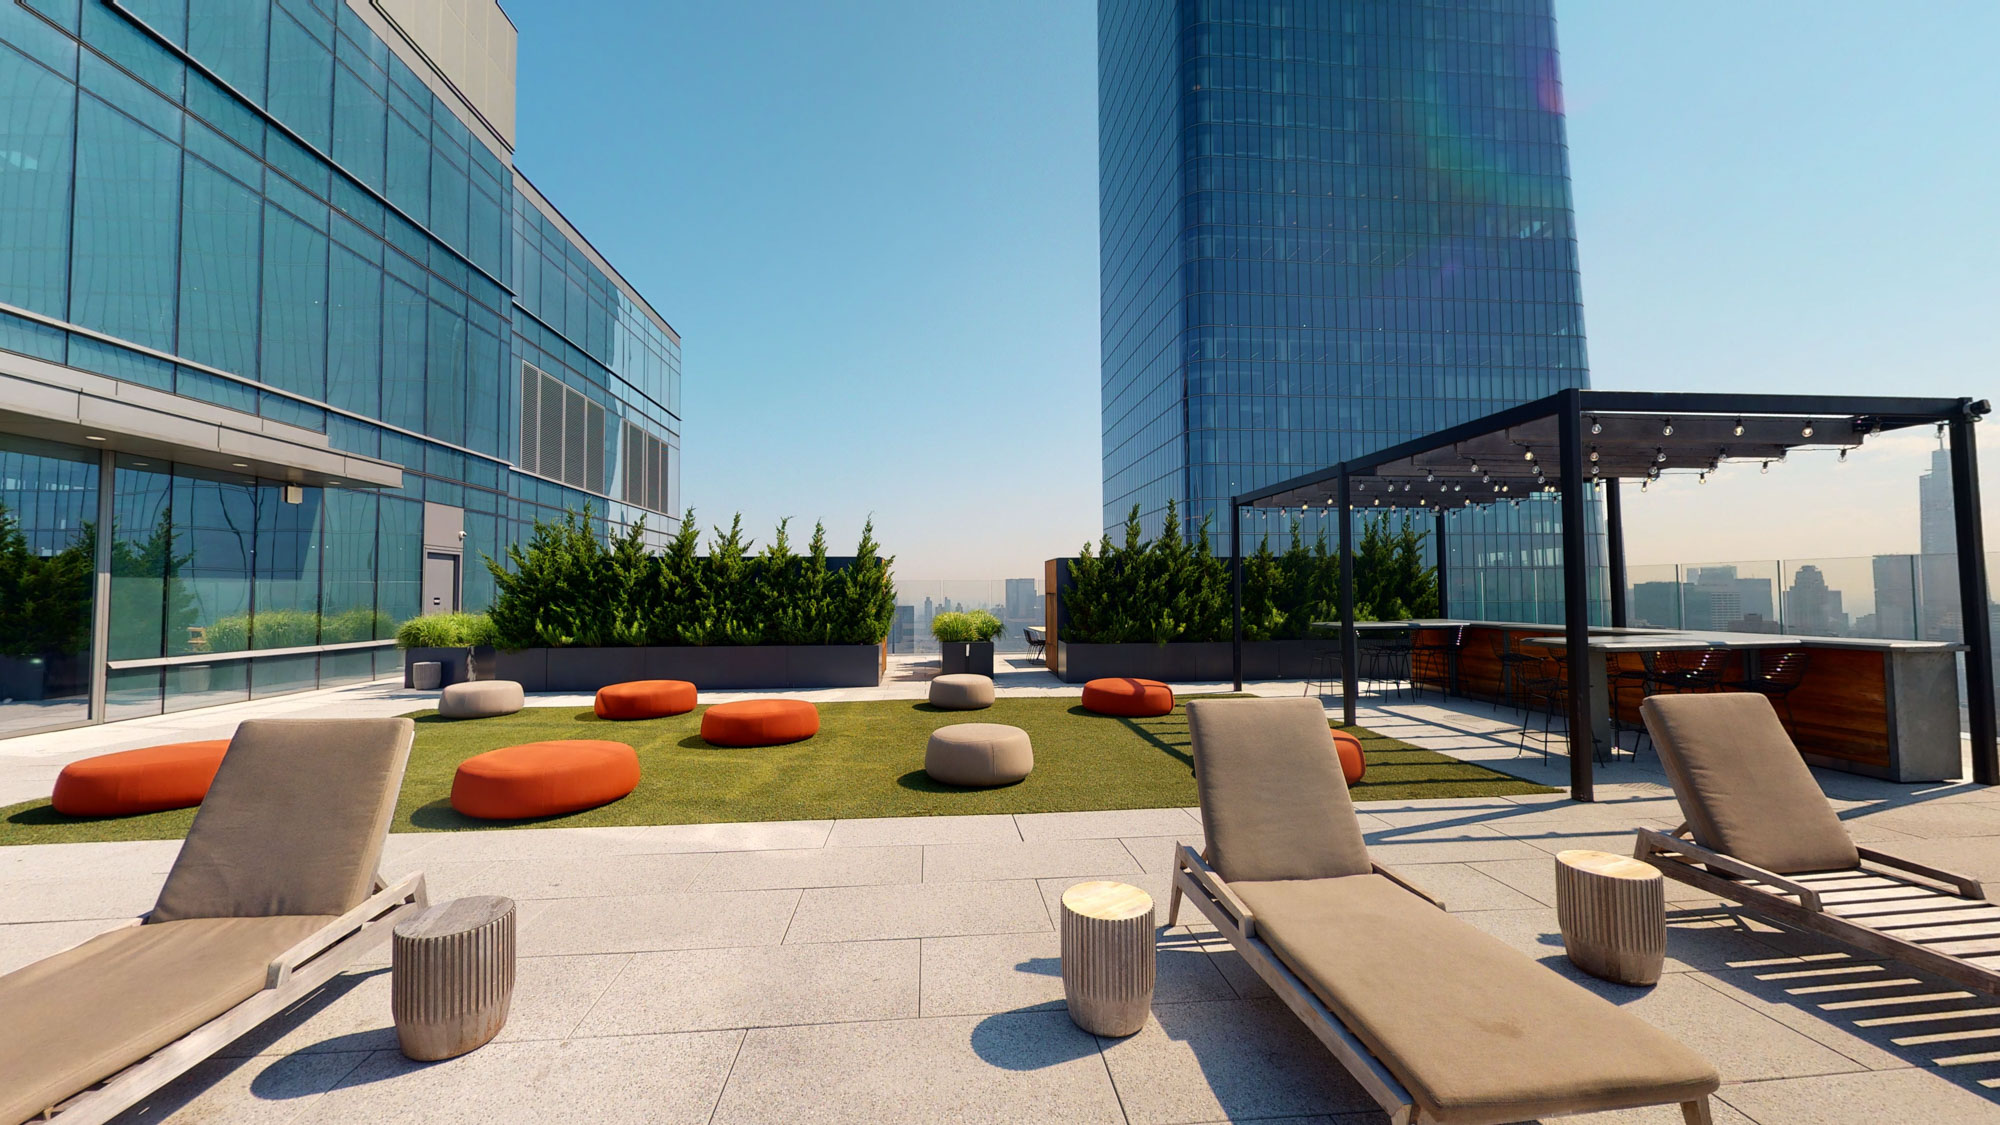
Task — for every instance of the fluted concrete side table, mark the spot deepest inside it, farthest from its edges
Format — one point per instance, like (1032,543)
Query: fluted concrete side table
(1613,913)
(1107,957)
(452,976)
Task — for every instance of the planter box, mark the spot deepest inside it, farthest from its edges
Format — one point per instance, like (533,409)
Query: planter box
(707,667)
(459,664)
(975,657)
(1198,662)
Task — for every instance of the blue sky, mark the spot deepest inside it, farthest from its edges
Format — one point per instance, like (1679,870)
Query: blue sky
(875,226)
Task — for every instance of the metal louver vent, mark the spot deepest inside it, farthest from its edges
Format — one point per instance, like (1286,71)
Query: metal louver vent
(576,431)
(593,448)
(531,386)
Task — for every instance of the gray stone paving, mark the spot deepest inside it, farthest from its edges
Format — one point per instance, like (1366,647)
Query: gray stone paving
(905,970)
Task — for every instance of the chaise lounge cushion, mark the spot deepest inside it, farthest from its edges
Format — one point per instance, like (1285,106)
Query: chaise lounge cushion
(1274,803)
(294,822)
(1741,783)
(1474,1030)
(89,1012)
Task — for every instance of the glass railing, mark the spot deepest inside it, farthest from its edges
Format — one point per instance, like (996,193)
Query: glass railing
(1017,602)
(1884,596)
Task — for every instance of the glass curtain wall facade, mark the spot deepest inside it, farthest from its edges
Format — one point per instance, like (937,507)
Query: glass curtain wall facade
(259,204)
(1329,226)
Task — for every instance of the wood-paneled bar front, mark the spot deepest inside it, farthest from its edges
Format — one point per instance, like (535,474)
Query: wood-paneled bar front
(1882,708)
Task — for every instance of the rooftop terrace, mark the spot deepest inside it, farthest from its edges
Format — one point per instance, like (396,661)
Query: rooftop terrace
(906,969)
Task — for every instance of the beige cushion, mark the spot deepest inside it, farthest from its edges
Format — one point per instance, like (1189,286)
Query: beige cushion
(1472,1028)
(79,1017)
(480,699)
(294,821)
(1742,785)
(962,691)
(1274,802)
(979,754)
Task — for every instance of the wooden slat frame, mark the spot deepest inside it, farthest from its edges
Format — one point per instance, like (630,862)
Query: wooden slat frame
(1210,893)
(290,976)
(1825,912)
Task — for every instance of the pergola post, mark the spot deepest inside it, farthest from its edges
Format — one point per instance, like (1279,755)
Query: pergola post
(1236,590)
(1614,535)
(1972,597)
(1576,597)
(1349,685)
(1443,569)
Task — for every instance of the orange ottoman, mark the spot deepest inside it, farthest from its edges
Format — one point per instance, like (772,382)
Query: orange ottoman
(645,699)
(544,779)
(1128,697)
(759,722)
(174,776)
(1352,762)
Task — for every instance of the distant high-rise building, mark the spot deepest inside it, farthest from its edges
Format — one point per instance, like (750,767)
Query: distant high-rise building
(1937,539)
(1327,226)
(1022,602)
(903,632)
(1813,608)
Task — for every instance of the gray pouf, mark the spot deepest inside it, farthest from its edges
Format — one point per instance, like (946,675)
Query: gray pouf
(479,699)
(979,755)
(962,691)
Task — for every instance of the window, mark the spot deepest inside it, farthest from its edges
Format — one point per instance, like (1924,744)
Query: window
(562,432)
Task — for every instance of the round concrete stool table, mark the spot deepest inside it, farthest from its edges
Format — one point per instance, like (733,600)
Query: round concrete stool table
(962,691)
(1107,957)
(979,755)
(1613,913)
(452,976)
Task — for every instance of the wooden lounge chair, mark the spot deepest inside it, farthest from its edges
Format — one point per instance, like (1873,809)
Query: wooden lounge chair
(1760,832)
(274,891)
(1438,1021)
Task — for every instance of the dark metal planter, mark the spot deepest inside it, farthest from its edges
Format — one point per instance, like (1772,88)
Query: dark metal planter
(973,657)
(455,664)
(1197,662)
(708,667)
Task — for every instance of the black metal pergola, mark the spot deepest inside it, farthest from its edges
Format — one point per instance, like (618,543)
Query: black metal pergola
(1577,443)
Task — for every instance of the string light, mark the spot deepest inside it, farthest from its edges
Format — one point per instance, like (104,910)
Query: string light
(1766,470)
(1739,427)
(1807,430)
(1667,430)
(1843,456)
(1593,453)
(1703,479)
(1596,427)
(1645,484)
(1528,456)
(1429,476)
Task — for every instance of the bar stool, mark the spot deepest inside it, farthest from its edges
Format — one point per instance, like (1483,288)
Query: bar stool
(1779,676)
(1433,659)
(1387,658)
(1546,688)
(1621,678)
(1515,667)
(1325,671)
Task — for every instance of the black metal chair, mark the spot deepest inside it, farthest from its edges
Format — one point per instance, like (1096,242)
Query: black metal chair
(1778,676)
(1515,668)
(1546,688)
(1624,682)
(1386,659)
(1037,637)
(1325,673)
(1432,660)
(1700,670)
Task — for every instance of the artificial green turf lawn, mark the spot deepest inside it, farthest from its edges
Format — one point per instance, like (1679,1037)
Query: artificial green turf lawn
(867,760)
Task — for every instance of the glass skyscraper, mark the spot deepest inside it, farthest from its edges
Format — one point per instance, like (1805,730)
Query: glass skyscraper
(287,346)
(1328,226)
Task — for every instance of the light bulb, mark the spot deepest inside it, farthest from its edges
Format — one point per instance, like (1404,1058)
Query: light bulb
(1807,430)
(1739,427)
(1528,456)
(1843,456)
(1703,479)
(1455,488)
(1596,427)
(1475,466)
(1487,478)
(1429,476)
(1668,429)
(1593,470)
(1766,469)
(1645,484)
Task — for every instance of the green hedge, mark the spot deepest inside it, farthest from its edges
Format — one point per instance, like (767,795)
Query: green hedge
(571,588)
(446,630)
(1167,589)
(294,628)
(974,625)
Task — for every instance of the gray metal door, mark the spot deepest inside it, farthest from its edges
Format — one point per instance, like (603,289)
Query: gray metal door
(440,582)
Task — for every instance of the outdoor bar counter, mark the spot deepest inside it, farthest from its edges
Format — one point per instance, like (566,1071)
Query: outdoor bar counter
(1881,708)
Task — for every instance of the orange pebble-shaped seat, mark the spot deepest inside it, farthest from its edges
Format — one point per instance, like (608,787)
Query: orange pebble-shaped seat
(759,722)
(645,699)
(544,779)
(174,776)
(1128,697)
(1352,763)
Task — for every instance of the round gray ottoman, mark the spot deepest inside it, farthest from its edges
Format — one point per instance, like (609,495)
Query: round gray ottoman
(962,691)
(979,755)
(479,699)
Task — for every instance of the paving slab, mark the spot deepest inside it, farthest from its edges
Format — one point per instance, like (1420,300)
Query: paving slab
(917,910)
(888,830)
(266,1090)
(641,1079)
(705,989)
(811,867)
(1016,972)
(1157,853)
(1105,825)
(1019,1068)
(1032,859)
(1461,887)
(1870,1098)
(638,923)
(24,943)
(1227,1060)
(594,876)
